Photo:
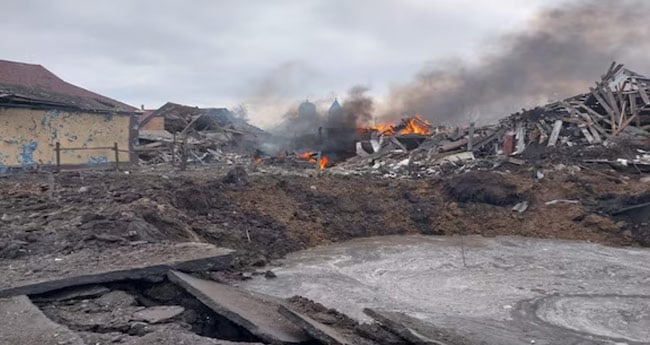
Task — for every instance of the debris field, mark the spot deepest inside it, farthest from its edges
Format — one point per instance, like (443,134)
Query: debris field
(152,253)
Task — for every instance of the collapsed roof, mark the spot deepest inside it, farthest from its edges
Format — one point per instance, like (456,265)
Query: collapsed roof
(180,118)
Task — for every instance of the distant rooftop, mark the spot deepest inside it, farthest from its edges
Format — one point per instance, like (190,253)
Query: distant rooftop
(29,84)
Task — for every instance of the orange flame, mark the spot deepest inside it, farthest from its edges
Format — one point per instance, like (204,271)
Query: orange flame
(412,125)
(258,160)
(416,125)
(323,162)
(384,129)
(308,156)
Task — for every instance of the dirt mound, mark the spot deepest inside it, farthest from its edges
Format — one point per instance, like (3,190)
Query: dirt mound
(633,211)
(276,214)
(484,187)
(236,176)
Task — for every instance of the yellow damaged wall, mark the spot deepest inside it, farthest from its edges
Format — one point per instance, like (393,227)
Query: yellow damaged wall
(28,137)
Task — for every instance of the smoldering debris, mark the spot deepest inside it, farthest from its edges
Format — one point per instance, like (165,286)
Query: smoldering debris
(200,136)
(609,125)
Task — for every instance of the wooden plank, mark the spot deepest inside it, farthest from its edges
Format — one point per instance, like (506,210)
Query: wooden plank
(521,144)
(635,110)
(542,133)
(624,125)
(470,138)
(621,119)
(605,106)
(555,133)
(573,112)
(591,112)
(609,72)
(619,95)
(594,133)
(597,116)
(588,136)
(612,100)
(644,94)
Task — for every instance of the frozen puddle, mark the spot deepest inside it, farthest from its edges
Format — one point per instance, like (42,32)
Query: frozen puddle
(509,290)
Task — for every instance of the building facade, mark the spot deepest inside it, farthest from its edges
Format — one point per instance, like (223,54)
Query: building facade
(39,110)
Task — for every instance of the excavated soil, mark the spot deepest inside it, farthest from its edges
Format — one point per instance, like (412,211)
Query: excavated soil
(267,216)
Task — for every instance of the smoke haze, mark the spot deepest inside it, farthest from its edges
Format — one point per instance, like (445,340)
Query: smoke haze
(563,51)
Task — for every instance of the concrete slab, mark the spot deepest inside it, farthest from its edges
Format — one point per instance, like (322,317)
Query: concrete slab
(255,312)
(323,333)
(166,334)
(151,261)
(158,314)
(414,330)
(80,292)
(23,323)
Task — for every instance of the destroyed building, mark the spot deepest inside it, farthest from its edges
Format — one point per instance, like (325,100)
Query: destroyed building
(177,132)
(148,122)
(614,112)
(39,110)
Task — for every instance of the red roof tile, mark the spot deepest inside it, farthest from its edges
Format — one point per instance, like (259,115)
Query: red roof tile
(36,83)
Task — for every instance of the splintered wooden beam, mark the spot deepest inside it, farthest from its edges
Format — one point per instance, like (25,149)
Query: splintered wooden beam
(588,136)
(574,112)
(624,125)
(555,133)
(612,100)
(542,133)
(644,94)
(634,110)
(609,72)
(601,100)
(622,117)
(595,134)
(605,106)
(592,112)
(619,94)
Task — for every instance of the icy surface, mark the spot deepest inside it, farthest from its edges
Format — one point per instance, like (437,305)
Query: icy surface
(586,290)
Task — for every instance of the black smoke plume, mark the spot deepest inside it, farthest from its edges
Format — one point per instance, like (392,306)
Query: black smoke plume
(561,53)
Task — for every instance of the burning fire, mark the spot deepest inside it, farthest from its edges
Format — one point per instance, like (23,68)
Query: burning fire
(412,125)
(308,156)
(384,129)
(323,162)
(416,125)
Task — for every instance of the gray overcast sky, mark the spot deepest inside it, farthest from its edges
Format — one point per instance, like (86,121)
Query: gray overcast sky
(259,52)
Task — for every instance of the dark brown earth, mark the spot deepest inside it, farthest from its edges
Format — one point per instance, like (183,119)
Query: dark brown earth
(266,217)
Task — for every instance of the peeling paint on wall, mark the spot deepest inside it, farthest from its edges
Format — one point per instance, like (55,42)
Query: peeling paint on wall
(20,128)
(47,120)
(26,157)
(3,167)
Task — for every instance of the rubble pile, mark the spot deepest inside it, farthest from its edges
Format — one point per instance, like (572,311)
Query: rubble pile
(198,136)
(610,124)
